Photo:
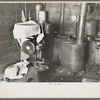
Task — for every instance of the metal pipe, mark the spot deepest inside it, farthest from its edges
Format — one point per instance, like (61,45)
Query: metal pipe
(62,18)
(25,11)
(80,34)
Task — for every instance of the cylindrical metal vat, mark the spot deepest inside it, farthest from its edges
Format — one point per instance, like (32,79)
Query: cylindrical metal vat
(72,56)
(90,28)
(94,52)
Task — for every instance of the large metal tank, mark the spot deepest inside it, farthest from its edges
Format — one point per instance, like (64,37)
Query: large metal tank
(72,56)
(94,52)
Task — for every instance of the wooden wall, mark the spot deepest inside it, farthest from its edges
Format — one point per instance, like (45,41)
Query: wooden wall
(10,13)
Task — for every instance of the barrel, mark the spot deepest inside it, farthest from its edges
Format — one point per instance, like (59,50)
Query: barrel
(72,56)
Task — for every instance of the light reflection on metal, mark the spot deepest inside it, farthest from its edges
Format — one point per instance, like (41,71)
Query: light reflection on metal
(62,18)
(80,35)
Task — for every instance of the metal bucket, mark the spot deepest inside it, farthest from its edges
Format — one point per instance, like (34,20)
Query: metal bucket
(72,56)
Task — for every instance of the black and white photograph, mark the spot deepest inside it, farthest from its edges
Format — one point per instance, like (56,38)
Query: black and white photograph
(49,42)
(49,49)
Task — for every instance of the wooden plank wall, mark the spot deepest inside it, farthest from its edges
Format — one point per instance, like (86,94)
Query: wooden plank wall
(10,13)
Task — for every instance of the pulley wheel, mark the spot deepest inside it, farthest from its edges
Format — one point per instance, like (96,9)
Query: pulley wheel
(28,47)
